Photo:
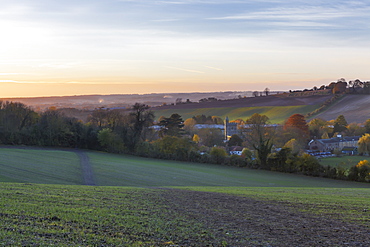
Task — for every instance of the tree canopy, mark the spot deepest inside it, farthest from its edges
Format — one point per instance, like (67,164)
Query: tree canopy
(172,126)
(297,121)
(235,140)
(340,124)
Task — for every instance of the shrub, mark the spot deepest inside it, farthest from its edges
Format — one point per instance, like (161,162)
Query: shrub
(218,155)
(110,141)
(236,160)
(309,165)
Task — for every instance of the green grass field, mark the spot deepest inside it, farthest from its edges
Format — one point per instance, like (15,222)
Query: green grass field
(63,167)
(344,161)
(39,166)
(135,171)
(196,204)
(276,114)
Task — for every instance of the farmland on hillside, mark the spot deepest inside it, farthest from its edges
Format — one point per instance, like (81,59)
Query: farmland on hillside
(63,167)
(355,108)
(277,107)
(276,114)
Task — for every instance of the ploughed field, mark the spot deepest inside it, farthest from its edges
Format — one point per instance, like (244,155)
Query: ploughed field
(355,108)
(60,215)
(164,203)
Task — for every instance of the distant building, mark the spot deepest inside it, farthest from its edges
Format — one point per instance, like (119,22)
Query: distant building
(236,150)
(230,129)
(350,150)
(209,126)
(339,143)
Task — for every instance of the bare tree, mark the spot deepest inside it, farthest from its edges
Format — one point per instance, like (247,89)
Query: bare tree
(260,137)
(355,84)
(267,91)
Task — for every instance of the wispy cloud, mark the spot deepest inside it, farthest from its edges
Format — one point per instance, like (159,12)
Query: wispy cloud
(214,68)
(186,70)
(305,15)
(58,65)
(190,2)
(8,81)
(29,82)
(2,74)
(166,20)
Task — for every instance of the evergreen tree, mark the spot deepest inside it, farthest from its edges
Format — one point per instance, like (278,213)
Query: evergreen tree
(340,124)
(172,126)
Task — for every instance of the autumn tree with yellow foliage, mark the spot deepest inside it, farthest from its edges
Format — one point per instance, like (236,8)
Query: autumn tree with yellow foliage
(364,144)
(360,172)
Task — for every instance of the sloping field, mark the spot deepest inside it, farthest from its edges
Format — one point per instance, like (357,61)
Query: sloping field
(135,171)
(276,114)
(355,108)
(277,108)
(63,167)
(344,162)
(39,166)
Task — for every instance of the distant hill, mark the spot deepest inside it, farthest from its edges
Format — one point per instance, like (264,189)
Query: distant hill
(277,107)
(235,105)
(90,102)
(354,107)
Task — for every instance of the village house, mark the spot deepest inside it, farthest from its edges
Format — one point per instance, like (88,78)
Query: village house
(335,143)
(236,150)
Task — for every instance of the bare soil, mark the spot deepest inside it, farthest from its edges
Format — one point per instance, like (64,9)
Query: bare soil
(355,108)
(241,221)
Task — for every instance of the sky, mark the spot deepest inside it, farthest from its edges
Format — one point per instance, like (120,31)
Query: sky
(79,47)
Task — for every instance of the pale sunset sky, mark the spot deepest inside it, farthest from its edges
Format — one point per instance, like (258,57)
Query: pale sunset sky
(76,47)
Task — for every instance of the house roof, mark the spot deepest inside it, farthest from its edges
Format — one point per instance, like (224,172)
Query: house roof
(339,139)
(236,148)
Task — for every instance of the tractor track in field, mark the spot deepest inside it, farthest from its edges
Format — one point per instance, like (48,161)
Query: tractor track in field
(87,171)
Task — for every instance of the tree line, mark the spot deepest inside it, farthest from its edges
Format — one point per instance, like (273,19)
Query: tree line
(269,147)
